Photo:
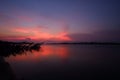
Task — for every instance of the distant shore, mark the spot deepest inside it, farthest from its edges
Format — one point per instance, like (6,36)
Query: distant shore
(86,43)
(66,43)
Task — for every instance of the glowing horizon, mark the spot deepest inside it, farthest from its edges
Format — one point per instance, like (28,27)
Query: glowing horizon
(59,20)
(27,27)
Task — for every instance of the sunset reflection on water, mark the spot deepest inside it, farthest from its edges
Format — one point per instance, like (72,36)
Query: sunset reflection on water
(45,52)
(70,61)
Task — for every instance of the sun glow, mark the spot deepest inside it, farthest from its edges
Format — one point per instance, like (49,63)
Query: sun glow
(36,34)
(35,27)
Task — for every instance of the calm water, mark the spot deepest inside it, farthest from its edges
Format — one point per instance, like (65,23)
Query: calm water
(67,62)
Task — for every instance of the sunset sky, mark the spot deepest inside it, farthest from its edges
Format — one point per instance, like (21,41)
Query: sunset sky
(60,20)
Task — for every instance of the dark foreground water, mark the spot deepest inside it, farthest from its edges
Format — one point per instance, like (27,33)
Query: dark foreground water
(66,62)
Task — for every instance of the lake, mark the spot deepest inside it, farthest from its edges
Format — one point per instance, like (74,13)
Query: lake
(70,61)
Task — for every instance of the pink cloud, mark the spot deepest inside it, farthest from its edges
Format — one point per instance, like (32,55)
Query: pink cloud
(35,33)
(35,30)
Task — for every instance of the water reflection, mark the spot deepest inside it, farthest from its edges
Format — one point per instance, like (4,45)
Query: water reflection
(59,51)
(8,49)
(6,72)
(66,62)
(46,52)
(32,57)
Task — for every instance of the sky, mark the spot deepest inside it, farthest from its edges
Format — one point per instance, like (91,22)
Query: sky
(60,20)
